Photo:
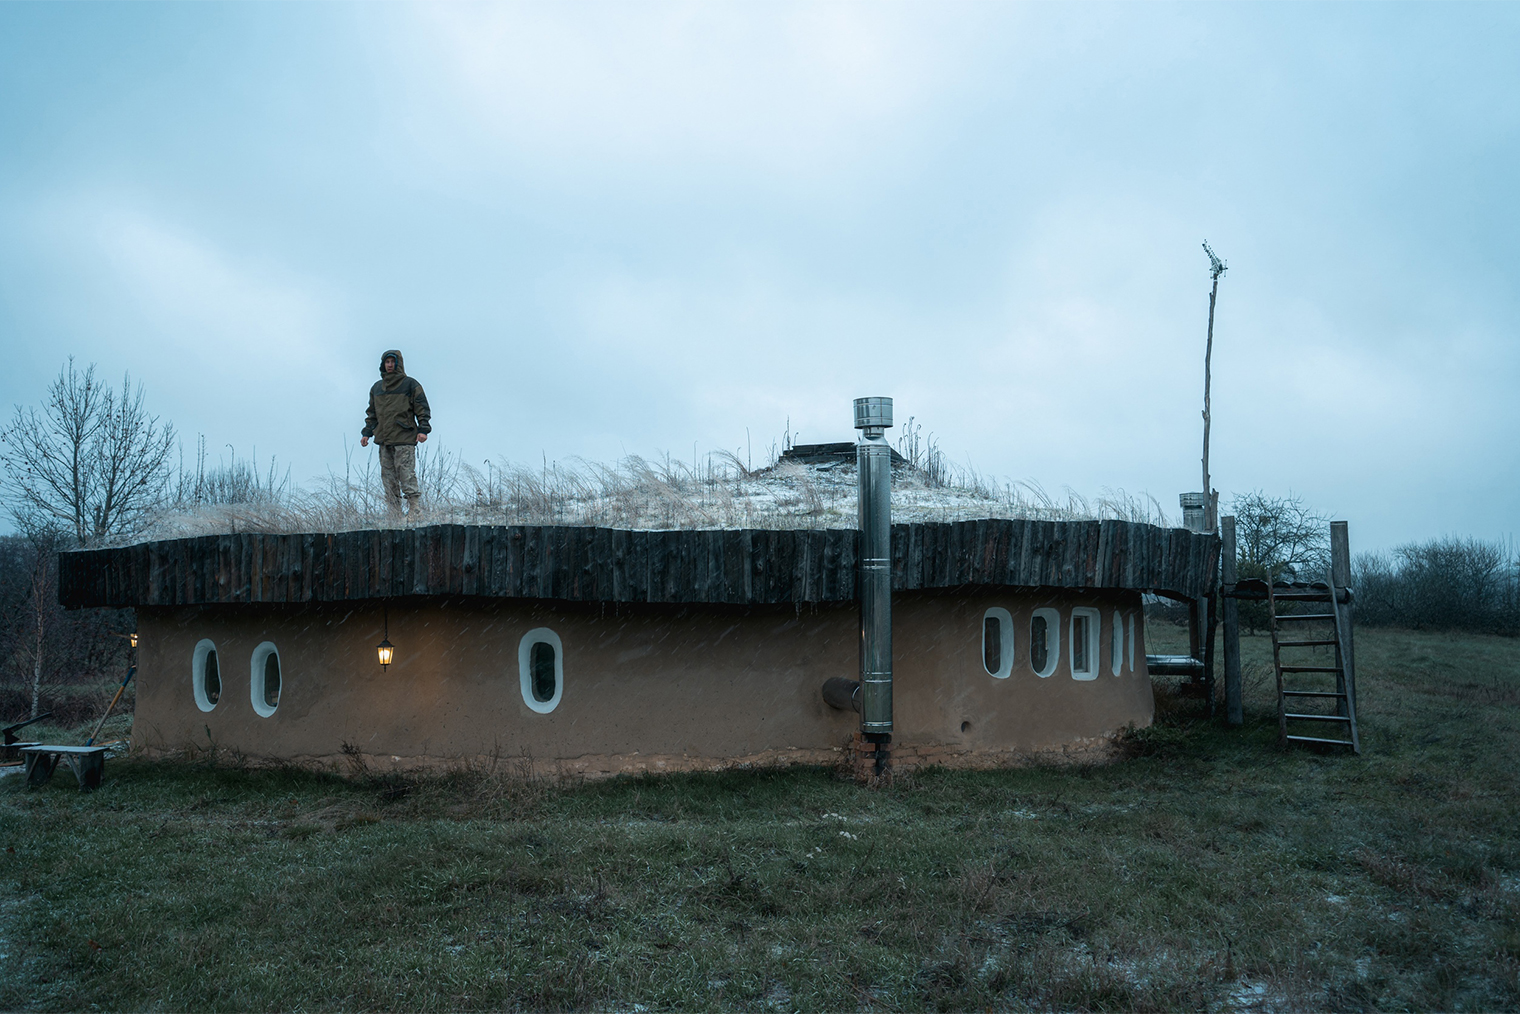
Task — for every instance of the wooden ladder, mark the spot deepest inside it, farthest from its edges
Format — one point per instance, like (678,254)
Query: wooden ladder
(1343,719)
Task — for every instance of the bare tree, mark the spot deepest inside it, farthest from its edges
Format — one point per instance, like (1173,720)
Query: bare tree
(1278,536)
(91,460)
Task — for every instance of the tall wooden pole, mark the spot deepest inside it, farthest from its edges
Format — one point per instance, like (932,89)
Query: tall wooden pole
(1210,512)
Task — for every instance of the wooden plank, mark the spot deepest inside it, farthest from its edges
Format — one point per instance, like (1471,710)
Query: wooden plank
(245,576)
(710,570)
(494,568)
(510,581)
(415,558)
(236,573)
(536,581)
(616,561)
(469,560)
(638,566)
(762,556)
(671,545)
(360,551)
(154,593)
(804,578)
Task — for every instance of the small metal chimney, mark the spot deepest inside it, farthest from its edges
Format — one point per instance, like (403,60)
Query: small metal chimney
(1194,518)
(873,455)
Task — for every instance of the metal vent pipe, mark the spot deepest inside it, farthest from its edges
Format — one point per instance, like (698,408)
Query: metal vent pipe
(873,455)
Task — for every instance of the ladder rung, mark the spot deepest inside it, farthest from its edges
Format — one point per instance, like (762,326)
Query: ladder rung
(1305,616)
(1316,739)
(1311,693)
(1318,718)
(1310,668)
(1306,644)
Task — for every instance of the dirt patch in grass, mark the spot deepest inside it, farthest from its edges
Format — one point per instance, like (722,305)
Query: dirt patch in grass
(1207,868)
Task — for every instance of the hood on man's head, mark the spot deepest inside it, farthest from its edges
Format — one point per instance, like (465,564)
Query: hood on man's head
(400,363)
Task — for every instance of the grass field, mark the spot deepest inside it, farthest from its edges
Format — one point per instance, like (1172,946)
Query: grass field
(1207,868)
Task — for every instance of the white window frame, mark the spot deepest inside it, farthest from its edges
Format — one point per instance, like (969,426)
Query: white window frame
(1052,619)
(1094,641)
(1116,644)
(256,678)
(540,635)
(1005,649)
(205,646)
(1132,643)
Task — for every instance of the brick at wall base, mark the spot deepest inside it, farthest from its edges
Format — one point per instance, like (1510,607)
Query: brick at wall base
(859,756)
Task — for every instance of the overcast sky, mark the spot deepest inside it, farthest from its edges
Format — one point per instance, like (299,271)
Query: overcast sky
(633,228)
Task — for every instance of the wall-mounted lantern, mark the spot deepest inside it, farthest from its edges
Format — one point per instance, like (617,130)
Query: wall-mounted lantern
(132,637)
(385,649)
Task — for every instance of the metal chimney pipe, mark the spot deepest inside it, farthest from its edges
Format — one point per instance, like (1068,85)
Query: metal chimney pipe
(873,456)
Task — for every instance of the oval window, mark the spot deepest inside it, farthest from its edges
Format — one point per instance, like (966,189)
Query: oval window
(1044,641)
(1131,658)
(541,669)
(206,675)
(997,642)
(1116,644)
(265,680)
(1084,642)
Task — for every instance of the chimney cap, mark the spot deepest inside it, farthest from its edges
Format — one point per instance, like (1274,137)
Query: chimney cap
(873,413)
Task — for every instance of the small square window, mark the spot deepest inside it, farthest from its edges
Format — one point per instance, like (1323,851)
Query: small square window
(1084,642)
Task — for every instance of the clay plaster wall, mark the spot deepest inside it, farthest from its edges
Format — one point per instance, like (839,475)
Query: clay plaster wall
(645,688)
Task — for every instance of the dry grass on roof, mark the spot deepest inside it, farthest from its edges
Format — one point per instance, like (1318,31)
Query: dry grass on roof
(635,493)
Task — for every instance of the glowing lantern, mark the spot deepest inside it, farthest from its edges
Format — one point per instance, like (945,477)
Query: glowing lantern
(385,649)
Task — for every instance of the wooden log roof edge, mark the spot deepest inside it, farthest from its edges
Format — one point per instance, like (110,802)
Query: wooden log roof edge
(583,564)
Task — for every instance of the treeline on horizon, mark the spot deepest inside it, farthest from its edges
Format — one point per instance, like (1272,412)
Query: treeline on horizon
(1443,584)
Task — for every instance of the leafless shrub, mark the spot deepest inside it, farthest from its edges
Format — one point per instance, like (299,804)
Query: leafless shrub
(237,482)
(1443,584)
(923,454)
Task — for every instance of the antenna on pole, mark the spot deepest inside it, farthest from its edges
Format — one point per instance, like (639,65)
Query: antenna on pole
(1217,267)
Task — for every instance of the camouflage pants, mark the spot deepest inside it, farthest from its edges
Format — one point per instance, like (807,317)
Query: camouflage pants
(398,474)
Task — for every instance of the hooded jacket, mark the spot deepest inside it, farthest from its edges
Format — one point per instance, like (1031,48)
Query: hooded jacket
(398,410)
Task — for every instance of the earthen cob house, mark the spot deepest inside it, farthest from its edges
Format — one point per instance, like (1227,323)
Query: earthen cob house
(599,651)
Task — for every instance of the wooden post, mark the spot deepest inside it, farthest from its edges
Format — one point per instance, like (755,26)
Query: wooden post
(1340,579)
(1340,555)
(1195,628)
(1234,711)
(1212,606)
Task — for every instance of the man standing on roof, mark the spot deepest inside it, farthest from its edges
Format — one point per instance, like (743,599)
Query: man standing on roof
(398,420)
